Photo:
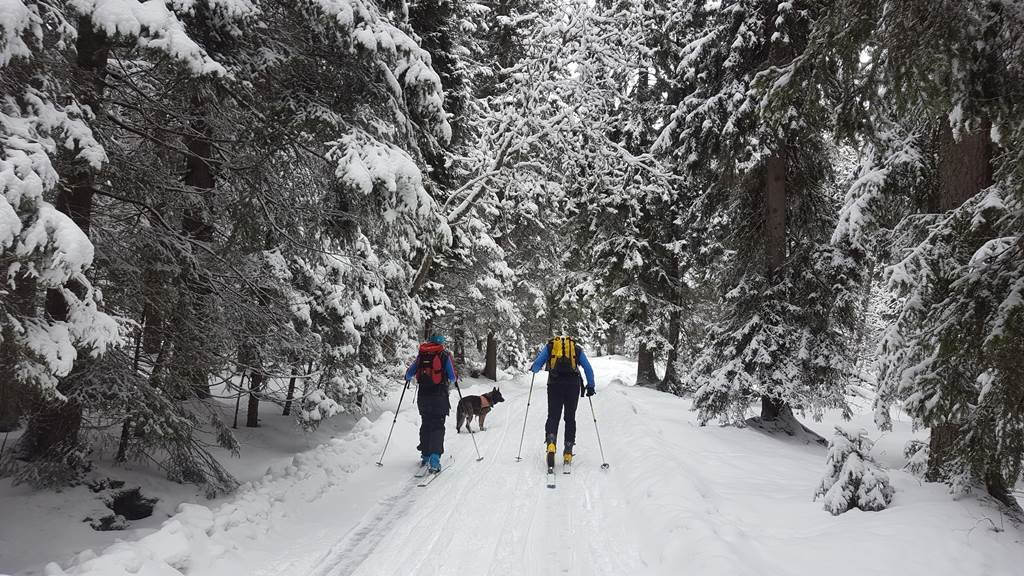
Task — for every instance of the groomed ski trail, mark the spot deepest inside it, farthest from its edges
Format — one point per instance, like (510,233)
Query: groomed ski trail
(495,516)
(678,498)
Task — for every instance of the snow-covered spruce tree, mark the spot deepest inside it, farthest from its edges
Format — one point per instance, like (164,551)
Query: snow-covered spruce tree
(70,83)
(258,206)
(41,249)
(946,145)
(751,132)
(852,478)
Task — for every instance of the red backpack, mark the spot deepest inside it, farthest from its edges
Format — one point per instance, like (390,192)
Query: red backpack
(431,368)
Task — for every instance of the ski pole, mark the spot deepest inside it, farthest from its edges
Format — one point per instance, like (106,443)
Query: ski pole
(519,456)
(605,465)
(478,456)
(397,408)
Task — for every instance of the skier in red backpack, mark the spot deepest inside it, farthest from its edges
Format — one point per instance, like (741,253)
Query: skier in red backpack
(434,371)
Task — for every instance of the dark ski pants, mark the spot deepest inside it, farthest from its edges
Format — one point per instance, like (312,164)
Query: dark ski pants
(434,408)
(563,393)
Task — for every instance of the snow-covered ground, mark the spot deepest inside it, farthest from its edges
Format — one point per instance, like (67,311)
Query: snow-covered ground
(678,499)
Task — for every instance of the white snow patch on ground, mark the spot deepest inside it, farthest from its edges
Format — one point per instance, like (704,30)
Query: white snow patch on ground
(678,499)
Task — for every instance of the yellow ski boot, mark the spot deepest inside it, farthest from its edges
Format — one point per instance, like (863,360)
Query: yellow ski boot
(550,454)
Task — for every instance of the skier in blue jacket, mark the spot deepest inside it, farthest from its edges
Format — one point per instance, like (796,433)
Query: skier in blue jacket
(434,371)
(563,358)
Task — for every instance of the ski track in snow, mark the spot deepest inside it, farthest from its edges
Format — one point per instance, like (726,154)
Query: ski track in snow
(495,516)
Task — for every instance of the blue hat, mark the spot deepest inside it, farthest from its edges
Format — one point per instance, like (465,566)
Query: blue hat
(437,339)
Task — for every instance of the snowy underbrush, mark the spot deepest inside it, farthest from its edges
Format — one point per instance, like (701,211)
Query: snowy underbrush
(203,540)
(74,518)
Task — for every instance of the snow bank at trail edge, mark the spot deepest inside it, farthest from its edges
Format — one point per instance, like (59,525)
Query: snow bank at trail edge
(200,541)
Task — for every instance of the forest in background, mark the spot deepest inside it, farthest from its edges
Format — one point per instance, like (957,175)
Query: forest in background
(785,204)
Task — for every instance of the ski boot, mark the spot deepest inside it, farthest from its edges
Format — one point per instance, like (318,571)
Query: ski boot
(424,459)
(567,454)
(434,461)
(551,449)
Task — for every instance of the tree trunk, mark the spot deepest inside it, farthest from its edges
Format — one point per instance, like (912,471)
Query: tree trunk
(13,392)
(775,250)
(196,225)
(964,169)
(460,348)
(965,166)
(491,363)
(671,379)
(152,317)
(296,366)
(610,341)
(252,415)
(775,409)
(940,450)
(775,214)
(646,375)
(552,303)
(53,425)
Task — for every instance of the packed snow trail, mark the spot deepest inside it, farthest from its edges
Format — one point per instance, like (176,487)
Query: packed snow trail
(678,499)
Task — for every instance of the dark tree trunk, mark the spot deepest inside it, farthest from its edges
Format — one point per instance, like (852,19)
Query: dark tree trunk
(152,316)
(965,166)
(775,214)
(252,416)
(552,304)
(197,225)
(671,379)
(122,445)
(491,362)
(774,409)
(646,375)
(964,169)
(460,348)
(126,427)
(296,366)
(940,450)
(54,425)
(999,489)
(13,393)
(775,251)
(610,341)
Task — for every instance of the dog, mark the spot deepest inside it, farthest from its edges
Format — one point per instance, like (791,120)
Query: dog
(478,406)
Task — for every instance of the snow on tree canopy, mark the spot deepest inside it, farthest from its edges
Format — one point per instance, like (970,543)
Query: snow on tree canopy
(16,21)
(153,25)
(368,165)
(44,246)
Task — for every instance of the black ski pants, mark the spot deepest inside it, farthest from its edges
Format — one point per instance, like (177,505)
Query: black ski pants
(434,408)
(563,394)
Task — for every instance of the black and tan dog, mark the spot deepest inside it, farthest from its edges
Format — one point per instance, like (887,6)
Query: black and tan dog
(478,406)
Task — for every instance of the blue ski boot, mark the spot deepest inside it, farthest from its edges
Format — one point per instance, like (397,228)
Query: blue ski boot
(435,463)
